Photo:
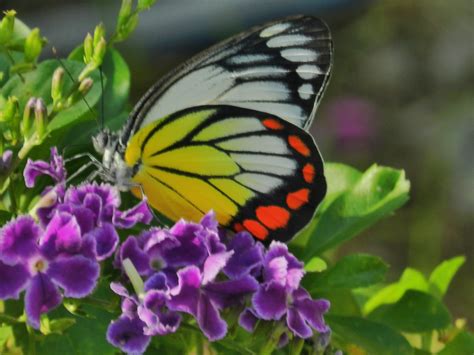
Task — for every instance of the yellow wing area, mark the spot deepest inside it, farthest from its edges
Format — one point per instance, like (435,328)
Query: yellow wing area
(185,177)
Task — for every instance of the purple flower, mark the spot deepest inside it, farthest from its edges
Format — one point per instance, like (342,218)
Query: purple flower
(95,207)
(45,262)
(247,257)
(55,169)
(127,334)
(198,294)
(5,161)
(280,294)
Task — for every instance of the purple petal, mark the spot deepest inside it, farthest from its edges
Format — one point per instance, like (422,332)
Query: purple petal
(156,282)
(41,297)
(55,169)
(209,319)
(247,258)
(94,204)
(209,221)
(18,240)
(13,280)
(213,265)
(277,249)
(283,341)
(282,267)
(76,274)
(248,320)
(62,234)
(131,250)
(127,334)
(155,314)
(5,161)
(51,199)
(191,250)
(119,289)
(139,214)
(269,301)
(106,238)
(231,292)
(185,296)
(297,324)
(84,217)
(312,311)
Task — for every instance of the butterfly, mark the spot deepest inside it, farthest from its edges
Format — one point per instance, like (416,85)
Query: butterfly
(226,131)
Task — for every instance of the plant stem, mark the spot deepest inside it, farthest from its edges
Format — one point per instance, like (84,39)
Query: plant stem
(273,340)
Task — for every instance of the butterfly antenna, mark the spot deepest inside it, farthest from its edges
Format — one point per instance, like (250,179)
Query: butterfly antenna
(102,110)
(73,80)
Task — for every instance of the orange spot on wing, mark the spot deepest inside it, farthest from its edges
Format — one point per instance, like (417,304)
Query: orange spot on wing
(296,199)
(272,124)
(256,228)
(308,173)
(238,227)
(297,144)
(273,217)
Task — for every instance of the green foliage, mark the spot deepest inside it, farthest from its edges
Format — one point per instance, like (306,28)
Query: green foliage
(353,271)
(441,277)
(354,202)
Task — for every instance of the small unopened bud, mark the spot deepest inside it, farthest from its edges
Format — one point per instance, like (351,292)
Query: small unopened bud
(124,13)
(27,121)
(6,26)
(85,86)
(99,33)
(57,84)
(99,52)
(41,116)
(145,4)
(88,48)
(33,45)
(5,161)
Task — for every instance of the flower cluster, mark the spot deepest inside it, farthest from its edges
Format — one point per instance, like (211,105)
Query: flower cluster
(195,268)
(59,255)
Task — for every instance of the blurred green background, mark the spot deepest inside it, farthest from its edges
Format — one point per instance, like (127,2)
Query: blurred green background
(401,95)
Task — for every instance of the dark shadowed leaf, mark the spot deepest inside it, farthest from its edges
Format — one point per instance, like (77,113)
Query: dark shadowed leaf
(463,343)
(353,271)
(375,338)
(415,312)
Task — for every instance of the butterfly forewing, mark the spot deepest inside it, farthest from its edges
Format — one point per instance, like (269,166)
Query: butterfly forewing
(280,68)
(256,171)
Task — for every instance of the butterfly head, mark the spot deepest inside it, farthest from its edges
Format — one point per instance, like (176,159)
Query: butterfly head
(114,168)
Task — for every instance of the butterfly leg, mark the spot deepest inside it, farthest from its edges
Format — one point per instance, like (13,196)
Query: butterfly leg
(81,170)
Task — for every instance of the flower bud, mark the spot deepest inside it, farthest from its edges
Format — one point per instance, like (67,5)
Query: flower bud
(5,161)
(124,13)
(88,48)
(145,4)
(27,121)
(57,84)
(41,117)
(6,26)
(33,45)
(99,52)
(85,85)
(99,33)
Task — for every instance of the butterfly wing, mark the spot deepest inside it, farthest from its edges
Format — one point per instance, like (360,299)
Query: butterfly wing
(281,68)
(256,171)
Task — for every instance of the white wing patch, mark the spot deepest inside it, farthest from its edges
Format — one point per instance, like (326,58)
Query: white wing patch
(306,91)
(299,55)
(275,29)
(249,59)
(264,90)
(259,182)
(288,41)
(265,164)
(308,71)
(256,144)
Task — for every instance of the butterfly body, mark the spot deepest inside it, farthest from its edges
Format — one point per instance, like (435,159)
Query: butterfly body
(225,132)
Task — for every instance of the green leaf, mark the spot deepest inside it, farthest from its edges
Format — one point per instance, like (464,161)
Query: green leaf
(353,271)
(442,275)
(463,343)
(411,279)
(316,265)
(38,83)
(377,193)
(373,337)
(20,32)
(415,312)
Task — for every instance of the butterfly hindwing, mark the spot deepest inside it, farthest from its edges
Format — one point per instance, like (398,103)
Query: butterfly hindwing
(281,68)
(255,170)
